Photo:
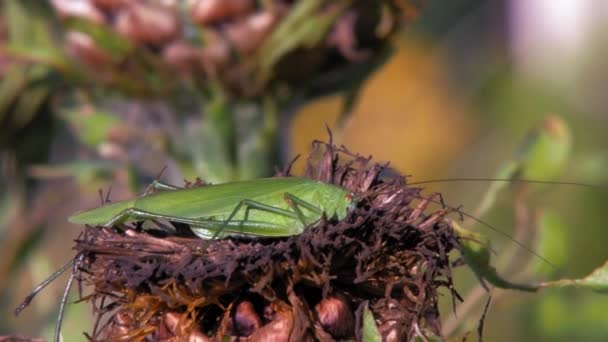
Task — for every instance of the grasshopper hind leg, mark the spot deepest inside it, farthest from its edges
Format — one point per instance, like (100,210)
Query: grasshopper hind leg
(293,202)
(157,185)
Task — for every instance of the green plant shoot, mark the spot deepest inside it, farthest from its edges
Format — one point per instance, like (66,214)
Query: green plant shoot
(269,207)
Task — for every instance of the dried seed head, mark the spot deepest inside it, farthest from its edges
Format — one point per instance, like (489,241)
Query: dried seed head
(355,33)
(384,258)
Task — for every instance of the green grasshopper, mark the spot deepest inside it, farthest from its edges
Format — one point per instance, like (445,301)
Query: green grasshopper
(269,207)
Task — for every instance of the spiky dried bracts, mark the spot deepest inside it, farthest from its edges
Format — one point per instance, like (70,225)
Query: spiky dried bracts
(245,46)
(388,255)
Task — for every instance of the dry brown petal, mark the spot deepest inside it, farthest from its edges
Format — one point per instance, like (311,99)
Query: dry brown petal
(148,23)
(121,326)
(208,11)
(249,33)
(80,9)
(82,47)
(246,320)
(335,316)
(277,330)
(172,320)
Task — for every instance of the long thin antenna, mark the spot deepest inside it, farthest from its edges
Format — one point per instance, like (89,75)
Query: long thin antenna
(484,223)
(488,225)
(515,180)
(41,286)
(64,299)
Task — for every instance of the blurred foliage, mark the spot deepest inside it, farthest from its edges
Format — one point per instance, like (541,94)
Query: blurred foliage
(86,102)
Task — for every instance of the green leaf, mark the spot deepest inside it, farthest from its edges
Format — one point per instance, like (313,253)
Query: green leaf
(545,150)
(370,329)
(32,97)
(542,156)
(476,254)
(596,281)
(553,241)
(29,35)
(11,86)
(304,27)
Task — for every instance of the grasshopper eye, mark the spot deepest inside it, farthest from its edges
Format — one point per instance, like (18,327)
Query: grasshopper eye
(352,203)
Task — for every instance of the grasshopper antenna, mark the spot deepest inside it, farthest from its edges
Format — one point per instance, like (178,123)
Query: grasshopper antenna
(515,180)
(42,285)
(488,225)
(64,298)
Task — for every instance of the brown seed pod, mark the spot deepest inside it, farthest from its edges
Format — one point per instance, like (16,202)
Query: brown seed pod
(246,319)
(335,316)
(206,12)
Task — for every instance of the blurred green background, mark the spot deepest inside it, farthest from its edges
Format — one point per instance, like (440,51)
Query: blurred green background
(465,84)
